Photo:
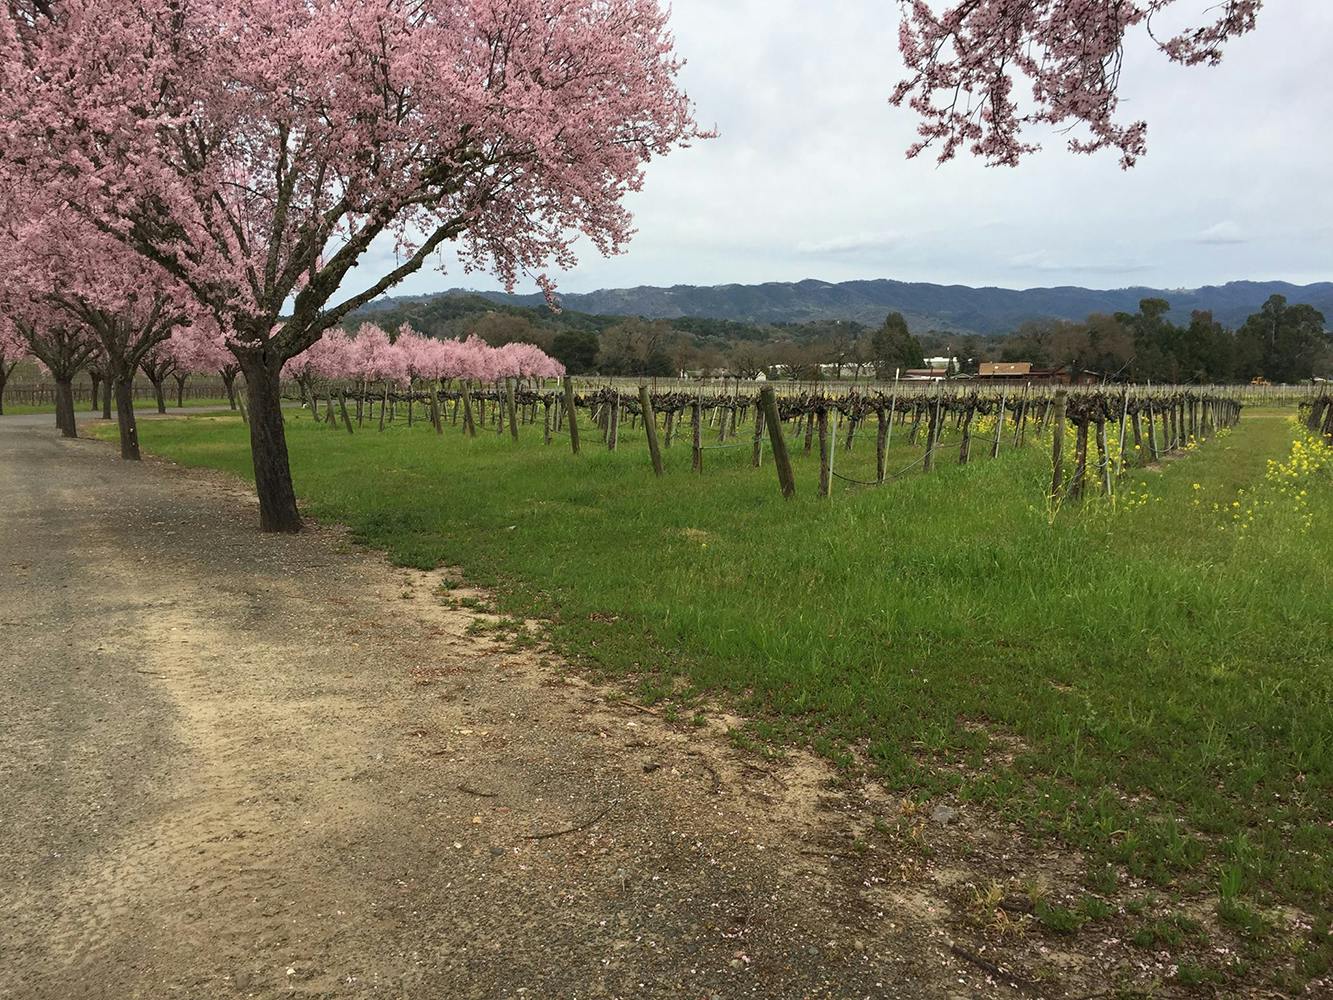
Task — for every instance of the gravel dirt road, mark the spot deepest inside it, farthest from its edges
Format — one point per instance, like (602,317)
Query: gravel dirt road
(244,766)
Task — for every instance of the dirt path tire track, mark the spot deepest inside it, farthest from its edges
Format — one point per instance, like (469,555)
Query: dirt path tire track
(236,765)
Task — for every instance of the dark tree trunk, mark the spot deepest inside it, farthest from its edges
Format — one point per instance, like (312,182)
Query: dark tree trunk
(106,398)
(129,430)
(161,397)
(65,408)
(4,377)
(268,447)
(96,380)
(230,382)
(180,390)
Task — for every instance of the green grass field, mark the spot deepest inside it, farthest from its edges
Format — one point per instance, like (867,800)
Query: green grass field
(1149,681)
(82,410)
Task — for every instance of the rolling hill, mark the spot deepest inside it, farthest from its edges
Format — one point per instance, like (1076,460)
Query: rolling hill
(926,306)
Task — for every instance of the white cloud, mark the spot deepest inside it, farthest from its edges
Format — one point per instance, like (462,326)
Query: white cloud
(1222,234)
(851,244)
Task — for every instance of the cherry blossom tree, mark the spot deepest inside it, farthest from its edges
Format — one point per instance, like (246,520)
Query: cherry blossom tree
(254,149)
(200,349)
(127,304)
(13,348)
(158,364)
(962,65)
(63,348)
(99,375)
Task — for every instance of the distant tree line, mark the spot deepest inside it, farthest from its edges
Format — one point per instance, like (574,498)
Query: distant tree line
(1281,342)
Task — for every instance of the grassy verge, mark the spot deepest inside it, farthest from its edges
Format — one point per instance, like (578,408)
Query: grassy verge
(1149,681)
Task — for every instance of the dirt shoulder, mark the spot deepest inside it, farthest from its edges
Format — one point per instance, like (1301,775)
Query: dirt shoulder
(235,765)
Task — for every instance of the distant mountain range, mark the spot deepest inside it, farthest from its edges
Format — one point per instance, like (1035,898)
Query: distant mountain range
(926,307)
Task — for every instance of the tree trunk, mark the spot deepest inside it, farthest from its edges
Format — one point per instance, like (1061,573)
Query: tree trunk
(129,430)
(65,408)
(180,390)
(230,382)
(161,398)
(268,448)
(96,381)
(4,377)
(106,397)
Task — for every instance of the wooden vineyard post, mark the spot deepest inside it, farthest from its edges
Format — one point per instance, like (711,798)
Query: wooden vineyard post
(893,406)
(613,424)
(384,403)
(883,423)
(1020,415)
(1124,420)
(825,455)
(1080,460)
(570,415)
(1316,413)
(342,406)
(435,411)
(1058,445)
(1103,457)
(670,426)
(809,431)
(999,425)
(469,424)
(546,420)
(757,455)
(1139,444)
(697,427)
(932,436)
(965,448)
(509,405)
(1152,434)
(650,428)
(768,407)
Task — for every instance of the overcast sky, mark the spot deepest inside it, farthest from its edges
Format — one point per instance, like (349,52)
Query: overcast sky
(808,177)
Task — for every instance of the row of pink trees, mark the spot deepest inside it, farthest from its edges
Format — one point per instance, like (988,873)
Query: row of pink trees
(372,356)
(251,151)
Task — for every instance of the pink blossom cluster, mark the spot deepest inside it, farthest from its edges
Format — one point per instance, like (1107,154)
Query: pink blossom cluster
(12,345)
(373,356)
(962,63)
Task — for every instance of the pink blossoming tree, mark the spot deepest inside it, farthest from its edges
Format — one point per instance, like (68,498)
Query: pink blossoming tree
(962,63)
(254,149)
(12,350)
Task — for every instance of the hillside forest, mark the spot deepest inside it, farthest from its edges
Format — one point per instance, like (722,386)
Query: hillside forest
(1282,342)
